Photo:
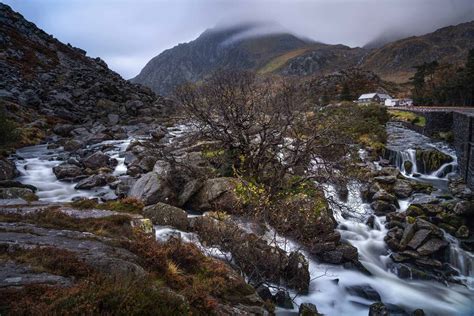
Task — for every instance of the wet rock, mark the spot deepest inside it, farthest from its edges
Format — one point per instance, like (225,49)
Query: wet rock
(91,182)
(98,160)
(383,195)
(113,119)
(151,189)
(370,221)
(464,208)
(166,215)
(364,291)
(414,211)
(386,179)
(17,193)
(418,312)
(408,234)
(382,207)
(308,309)
(432,246)
(462,232)
(158,133)
(408,165)
(378,309)
(429,160)
(67,171)
(283,300)
(297,272)
(264,293)
(7,169)
(419,238)
(16,184)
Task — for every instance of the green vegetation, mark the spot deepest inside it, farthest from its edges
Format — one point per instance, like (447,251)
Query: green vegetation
(278,62)
(408,117)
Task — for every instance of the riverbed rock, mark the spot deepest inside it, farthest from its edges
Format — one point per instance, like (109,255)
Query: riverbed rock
(283,300)
(432,246)
(73,145)
(462,232)
(98,160)
(93,181)
(464,208)
(297,272)
(383,195)
(63,129)
(365,291)
(67,171)
(378,309)
(166,215)
(17,193)
(402,189)
(151,189)
(430,160)
(7,169)
(308,309)
(408,165)
(216,194)
(382,207)
(419,238)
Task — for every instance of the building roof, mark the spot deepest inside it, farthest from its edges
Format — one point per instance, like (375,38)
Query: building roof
(371,95)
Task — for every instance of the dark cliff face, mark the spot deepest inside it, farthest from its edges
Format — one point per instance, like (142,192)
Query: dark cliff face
(286,54)
(46,78)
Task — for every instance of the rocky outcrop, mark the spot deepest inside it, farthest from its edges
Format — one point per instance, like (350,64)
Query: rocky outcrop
(429,160)
(7,169)
(167,215)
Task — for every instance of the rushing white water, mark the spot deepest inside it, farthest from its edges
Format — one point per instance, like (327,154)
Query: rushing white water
(36,165)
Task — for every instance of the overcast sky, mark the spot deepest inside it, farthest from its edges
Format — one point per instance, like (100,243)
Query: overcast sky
(128,33)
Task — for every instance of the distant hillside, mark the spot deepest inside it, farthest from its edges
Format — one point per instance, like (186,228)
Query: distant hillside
(286,54)
(395,61)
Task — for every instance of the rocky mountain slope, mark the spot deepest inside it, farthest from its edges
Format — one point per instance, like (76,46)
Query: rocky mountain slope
(46,81)
(286,54)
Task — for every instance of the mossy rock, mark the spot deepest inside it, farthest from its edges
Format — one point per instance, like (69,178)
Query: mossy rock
(450,219)
(414,211)
(430,160)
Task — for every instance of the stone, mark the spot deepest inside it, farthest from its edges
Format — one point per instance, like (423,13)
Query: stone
(73,145)
(464,208)
(158,133)
(297,272)
(430,160)
(382,207)
(386,179)
(113,119)
(378,309)
(408,234)
(418,312)
(17,193)
(63,130)
(264,292)
(91,182)
(419,238)
(408,166)
(67,171)
(166,215)
(308,309)
(283,300)
(370,221)
(364,291)
(7,169)
(432,246)
(383,195)
(462,232)
(402,189)
(151,189)
(98,160)
(216,194)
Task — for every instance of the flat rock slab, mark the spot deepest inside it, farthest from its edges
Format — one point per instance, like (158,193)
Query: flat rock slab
(13,274)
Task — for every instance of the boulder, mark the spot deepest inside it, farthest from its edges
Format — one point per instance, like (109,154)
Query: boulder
(402,189)
(408,165)
(283,300)
(297,272)
(432,246)
(98,160)
(408,234)
(93,181)
(382,207)
(216,194)
(383,195)
(419,238)
(63,130)
(113,119)
(151,189)
(17,193)
(264,292)
(67,171)
(378,309)
(464,208)
(166,215)
(73,145)
(308,309)
(7,169)
(462,232)
(364,291)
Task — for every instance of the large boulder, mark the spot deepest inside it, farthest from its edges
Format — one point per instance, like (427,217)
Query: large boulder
(67,171)
(7,169)
(166,215)
(18,193)
(98,160)
(402,189)
(151,189)
(382,207)
(216,194)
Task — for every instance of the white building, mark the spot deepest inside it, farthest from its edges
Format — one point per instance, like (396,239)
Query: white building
(373,98)
(398,102)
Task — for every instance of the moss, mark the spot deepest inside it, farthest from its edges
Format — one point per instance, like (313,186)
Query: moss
(414,211)
(209,154)
(408,117)
(410,219)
